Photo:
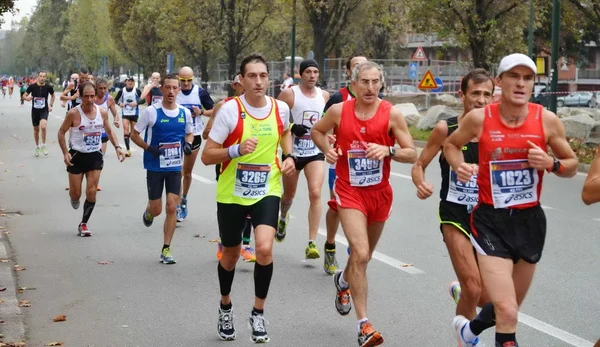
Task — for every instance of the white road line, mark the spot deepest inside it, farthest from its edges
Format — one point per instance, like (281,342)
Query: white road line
(554,331)
(202,179)
(408,268)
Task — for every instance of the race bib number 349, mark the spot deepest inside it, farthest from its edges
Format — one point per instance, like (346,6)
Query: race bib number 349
(364,172)
(513,183)
(252,180)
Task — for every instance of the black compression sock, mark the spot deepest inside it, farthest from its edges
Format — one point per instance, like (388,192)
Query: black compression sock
(506,340)
(484,320)
(329,246)
(165,246)
(256,311)
(225,279)
(226,307)
(262,279)
(88,207)
(127,142)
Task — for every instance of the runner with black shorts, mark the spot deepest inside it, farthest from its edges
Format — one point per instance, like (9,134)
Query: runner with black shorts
(168,137)
(198,101)
(105,101)
(128,99)
(85,122)
(245,137)
(508,226)
(306,102)
(38,93)
(457,200)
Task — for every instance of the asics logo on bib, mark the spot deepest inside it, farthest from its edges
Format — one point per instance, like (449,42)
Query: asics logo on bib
(518,196)
(254,193)
(367,180)
(468,199)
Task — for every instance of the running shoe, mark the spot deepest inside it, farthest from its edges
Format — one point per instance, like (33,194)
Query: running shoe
(330,264)
(257,326)
(45,150)
(458,325)
(184,209)
(247,254)
(147,218)
(281,230)
(166,257)
(179,214)
(75,204)
(342,297)
(225,325)
(83,231)
(368,337)
(311,251)
(219,249)
(37,151)
(454,290)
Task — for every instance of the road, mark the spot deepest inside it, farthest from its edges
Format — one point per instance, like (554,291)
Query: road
(136,301)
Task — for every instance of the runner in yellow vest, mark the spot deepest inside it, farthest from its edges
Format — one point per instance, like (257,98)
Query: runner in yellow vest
(245,138)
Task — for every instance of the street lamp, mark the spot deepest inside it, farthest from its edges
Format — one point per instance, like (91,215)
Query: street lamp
(293,57)
(554,63)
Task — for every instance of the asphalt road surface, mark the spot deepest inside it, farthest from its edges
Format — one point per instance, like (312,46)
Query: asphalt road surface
(136,301)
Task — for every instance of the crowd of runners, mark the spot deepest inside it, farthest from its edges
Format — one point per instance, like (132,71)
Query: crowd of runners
(493,160)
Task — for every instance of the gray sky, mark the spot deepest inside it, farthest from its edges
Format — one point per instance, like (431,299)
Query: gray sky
(25,8)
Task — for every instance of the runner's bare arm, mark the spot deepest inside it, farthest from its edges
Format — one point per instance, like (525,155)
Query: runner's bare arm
(108,129)
(470,128)
(214,153)
(52,98)
(556,139)
(330,120)
(287,96)
(407,152)
(211,120)
(64,129)
(137,139)
(432,148)
(146,90)
(113,109)
(591,188)
(325,95)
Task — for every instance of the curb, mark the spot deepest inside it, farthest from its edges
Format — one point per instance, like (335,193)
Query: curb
(13,328)
(584,168)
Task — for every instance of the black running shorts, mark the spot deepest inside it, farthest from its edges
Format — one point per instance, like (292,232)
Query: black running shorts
(37,116)
(301,162)
(131,118)
(84,162)
(157,180)
(232,218)
(509,233)
(456,215)
(197,142)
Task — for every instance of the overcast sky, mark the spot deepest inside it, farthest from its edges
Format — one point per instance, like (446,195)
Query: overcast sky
(25,8)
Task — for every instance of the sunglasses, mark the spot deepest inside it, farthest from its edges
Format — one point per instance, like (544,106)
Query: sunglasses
(186,79)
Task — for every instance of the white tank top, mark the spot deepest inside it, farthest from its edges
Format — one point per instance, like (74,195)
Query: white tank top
(306,111)
(87,137)
(126,98)
(187,101)
(104,105)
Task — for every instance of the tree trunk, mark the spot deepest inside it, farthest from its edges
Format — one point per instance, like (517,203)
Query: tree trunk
(204,65)
(319,45)
(478,53)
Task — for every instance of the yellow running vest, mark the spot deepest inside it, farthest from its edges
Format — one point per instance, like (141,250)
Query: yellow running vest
(247,179)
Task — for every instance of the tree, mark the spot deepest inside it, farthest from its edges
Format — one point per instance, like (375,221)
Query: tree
(386,25)
(6,6)
(488,29)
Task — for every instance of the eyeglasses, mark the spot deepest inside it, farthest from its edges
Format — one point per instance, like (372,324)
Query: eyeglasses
(186,79)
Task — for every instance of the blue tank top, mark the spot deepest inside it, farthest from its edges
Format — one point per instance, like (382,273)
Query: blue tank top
(168,134)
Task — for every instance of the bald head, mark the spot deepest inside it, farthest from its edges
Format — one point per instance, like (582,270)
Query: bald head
(155,78)
(74,76)
(186,71)
(186,77)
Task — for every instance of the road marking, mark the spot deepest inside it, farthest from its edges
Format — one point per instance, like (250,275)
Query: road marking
(547,207)
(202,179)
(381,257)
(554,331)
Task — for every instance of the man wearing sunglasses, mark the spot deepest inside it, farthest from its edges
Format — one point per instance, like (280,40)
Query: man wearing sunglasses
(199,102)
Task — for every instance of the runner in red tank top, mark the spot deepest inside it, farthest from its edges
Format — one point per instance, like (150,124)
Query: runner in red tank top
(367,129)
(508,225)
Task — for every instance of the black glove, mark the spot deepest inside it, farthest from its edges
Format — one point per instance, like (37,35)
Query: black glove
(154,150)
(187,148)
(299,129)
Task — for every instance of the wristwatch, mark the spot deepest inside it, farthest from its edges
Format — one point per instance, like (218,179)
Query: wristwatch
(291,155)
(392,151)
(556,166)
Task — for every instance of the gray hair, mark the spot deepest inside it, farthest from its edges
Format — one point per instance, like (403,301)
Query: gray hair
(367,66)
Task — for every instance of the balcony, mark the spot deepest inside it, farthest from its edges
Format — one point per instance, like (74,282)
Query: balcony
(588,74)
(424,40)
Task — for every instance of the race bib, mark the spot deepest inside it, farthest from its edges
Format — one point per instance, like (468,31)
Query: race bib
(252,180)
(462,193)
(513,183)
(197,125)
(305,147)
(39,103)
(170,154)
(364,172)
(156,99)
(129,110)
(78,101)
(92,140)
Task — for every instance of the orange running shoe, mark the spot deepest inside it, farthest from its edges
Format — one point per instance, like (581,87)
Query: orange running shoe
(219,249)
(368,337)
(247,254)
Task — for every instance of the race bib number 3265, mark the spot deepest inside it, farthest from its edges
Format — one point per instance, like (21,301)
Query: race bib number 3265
(252,180)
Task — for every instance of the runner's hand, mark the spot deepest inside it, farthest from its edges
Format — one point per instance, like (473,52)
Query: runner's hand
(133,104)
(331,138)
(538,158)
(121,154)
(116,122)
(377,152)
(49,108)
(154,150)
(75,96)
(248,146)
(424,190)
(288,167)
(332,155)
(63,104)
(466,171)
(187,148)
(196,111)
(68,159)
(299,129)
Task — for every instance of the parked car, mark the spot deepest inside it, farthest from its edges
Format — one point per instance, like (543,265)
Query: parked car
(404,90)
(577,99)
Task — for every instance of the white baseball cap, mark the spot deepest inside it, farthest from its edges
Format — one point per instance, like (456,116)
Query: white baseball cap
(516,59)
(236,79)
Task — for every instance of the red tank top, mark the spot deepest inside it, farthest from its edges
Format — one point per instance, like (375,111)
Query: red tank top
(505,179)
(353,135)
(346,94)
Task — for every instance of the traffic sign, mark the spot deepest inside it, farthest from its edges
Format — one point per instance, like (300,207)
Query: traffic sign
(428,81)
(440,84)
(412,71)
(419,54)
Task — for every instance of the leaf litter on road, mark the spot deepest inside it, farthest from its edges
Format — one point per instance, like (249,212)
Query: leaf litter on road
(13,344)
(4,260)
(57,343)
(60,318)
(24,303)
(105,262)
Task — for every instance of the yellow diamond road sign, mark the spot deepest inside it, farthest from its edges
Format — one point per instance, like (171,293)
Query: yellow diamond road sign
(428,81)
